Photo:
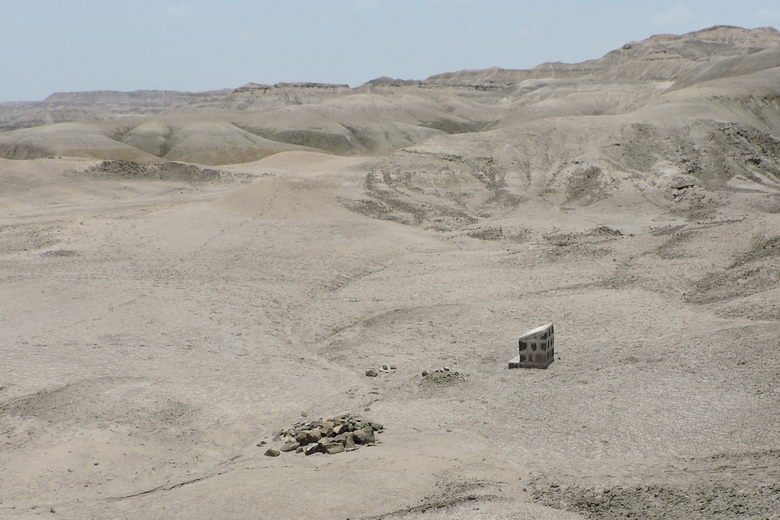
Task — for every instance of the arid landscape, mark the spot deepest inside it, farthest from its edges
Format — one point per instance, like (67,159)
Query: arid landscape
(191,281)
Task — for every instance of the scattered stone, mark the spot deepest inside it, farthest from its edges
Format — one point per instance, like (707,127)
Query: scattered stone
(290,446)
(311,449)
(314,435)
(272,452)
(364,436)
(371,372)
(334,448)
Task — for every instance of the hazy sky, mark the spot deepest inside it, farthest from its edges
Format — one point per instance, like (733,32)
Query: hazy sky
(71,45)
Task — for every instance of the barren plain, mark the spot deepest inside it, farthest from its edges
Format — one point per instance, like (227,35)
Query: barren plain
(183,275)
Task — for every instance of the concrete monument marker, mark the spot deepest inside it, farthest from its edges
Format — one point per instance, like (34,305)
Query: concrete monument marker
(537,348)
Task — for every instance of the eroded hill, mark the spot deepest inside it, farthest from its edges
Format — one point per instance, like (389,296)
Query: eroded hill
(254,121)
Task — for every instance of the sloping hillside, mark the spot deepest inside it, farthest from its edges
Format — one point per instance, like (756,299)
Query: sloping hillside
(384,115)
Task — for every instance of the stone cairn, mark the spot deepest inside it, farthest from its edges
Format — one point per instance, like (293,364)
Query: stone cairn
(330,436)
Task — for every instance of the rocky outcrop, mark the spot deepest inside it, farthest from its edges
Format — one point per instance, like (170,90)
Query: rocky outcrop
(664,57)
(168,171)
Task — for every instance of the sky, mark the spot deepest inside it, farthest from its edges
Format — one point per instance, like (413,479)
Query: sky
(195,45)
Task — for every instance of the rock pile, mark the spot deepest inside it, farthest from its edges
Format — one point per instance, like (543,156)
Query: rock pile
(330,436)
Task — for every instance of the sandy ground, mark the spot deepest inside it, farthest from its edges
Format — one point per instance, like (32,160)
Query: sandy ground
(154,332)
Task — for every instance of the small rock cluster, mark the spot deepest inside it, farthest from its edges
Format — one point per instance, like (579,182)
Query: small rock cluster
(373,372)
(442,375)
(330,436)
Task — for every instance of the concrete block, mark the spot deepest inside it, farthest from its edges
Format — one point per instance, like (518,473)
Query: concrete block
(536,348)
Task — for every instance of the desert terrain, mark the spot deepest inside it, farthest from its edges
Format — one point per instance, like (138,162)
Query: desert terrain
(183,275)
